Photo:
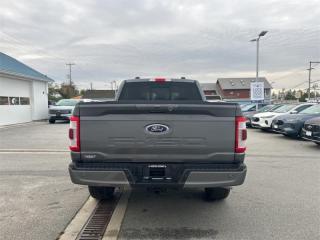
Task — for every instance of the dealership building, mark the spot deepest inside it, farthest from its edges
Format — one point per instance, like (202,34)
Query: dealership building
(23,92)
(236,89)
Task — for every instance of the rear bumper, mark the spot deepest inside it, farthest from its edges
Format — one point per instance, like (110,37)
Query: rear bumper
(187,177)
(98,178)
(215,179)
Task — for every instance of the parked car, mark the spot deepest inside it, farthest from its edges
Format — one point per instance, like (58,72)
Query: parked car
(62,110)
(264,120)
(252,107)
(311,130)
(158,134)
(268,108)
(291,124)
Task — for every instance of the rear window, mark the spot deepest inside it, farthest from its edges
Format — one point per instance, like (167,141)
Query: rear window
(157,91)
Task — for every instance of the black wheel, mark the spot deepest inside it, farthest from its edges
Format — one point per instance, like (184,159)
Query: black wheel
(317,143)
(52,121)
(101,192)
(214,194)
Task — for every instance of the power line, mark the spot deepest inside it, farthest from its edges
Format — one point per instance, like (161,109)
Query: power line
(298,85)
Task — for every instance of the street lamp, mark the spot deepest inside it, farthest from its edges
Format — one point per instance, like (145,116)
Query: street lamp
(257,59)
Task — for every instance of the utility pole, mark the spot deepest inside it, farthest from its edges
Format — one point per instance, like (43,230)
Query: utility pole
(91,85)
(309,79)
(315,87)
(114,85)
(70,77)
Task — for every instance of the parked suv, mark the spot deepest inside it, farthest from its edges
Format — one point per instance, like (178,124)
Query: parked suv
(62,110)
(268,108)
(291,124)
(264,120)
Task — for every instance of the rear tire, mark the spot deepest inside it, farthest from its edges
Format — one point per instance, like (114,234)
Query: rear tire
(215,194)
(318,143)
(51,121)
(101,193)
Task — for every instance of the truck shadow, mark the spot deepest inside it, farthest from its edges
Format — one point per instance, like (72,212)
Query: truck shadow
(172,214)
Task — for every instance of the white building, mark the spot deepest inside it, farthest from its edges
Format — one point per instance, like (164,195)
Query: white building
(23,92)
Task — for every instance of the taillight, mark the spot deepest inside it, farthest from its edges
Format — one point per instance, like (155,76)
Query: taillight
(241,135)
(74,134)
(160,80)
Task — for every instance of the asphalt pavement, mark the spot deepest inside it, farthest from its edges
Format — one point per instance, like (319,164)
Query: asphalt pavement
(37,199)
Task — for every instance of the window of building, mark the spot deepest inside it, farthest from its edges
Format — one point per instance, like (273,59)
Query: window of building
(24,101)
(4,100)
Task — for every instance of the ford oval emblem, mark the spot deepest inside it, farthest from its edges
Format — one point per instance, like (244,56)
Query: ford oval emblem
(157,129)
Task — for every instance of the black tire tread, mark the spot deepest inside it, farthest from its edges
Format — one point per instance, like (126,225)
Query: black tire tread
(101,193)
(215,194)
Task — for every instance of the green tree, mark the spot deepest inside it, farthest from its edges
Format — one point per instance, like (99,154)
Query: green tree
(53,92)
(68,91)
(304,97)
(83,91)
(290,95)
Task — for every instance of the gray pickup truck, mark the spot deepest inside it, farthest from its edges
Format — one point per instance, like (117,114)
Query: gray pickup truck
(158,133)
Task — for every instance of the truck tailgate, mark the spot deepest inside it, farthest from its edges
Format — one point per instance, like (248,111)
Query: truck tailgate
(196,133)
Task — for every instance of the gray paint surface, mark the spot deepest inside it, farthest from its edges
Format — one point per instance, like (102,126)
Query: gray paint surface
(191,137)
(195,132)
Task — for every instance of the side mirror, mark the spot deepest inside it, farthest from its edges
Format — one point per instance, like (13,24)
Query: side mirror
(294,112)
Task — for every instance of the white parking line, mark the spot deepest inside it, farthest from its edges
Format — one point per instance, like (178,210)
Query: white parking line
(23,124)
(41,151)
(114,225)
(275,156)
(75,226)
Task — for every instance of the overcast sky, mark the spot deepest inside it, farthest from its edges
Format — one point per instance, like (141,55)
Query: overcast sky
(204,40)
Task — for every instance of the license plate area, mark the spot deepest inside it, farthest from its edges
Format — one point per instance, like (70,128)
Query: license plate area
(157,172)
(309,133)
